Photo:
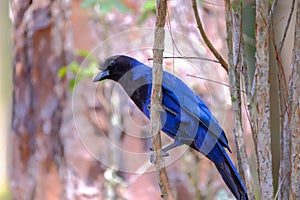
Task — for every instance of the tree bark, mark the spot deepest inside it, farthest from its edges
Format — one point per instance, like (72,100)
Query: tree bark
(262,92)
(234,43)
(40,36)
(295,111)
(156,98)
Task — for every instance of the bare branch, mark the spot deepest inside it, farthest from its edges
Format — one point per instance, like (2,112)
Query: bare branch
(235,63)
(156,98)
(286,27)
(282,95)
(187,57)
(205,38)
(209,80)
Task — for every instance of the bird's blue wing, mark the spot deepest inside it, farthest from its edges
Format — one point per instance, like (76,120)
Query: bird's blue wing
(178,99)
(190,103)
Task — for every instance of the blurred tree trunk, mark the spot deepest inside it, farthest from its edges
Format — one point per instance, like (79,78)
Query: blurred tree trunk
(40,36)
(5,97)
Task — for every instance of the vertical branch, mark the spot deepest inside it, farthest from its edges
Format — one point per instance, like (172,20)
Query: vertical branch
(286,27)
(235,65)
(262,89)
(283,182)
(295,111)
(156,97)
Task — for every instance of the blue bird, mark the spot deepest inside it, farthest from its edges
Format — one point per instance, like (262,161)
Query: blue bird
(185,117)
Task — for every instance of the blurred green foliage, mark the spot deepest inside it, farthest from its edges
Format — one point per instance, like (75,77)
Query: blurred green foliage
(148,8)
(105,6)
(79,70)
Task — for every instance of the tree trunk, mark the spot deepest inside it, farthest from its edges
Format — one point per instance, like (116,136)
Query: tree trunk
(295,111)
(262,91)
(39,47)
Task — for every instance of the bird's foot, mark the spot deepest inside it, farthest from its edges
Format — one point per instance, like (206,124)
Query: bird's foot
(153,156)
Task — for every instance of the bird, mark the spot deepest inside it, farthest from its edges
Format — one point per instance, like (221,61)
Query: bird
(184,116)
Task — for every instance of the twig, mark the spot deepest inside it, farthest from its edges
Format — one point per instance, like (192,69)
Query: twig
(205,38)
(286,27)
(156,98)
(281,184)
(209,80)
(274,4)
(283,190)
(187,57)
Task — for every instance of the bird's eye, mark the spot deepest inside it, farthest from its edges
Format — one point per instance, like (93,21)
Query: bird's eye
(112,63)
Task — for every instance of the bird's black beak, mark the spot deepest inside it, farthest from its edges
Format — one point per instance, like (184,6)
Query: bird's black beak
(101,76)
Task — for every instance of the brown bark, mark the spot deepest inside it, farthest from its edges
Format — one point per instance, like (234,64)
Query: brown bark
(262,92)
(295,111)
(234,42)
(39,48)
(156,98)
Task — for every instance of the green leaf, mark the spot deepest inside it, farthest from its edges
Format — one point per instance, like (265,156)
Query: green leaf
(62,72)
(235,6)
(74,67)
(79,71)
(73,82)
(149,5)
(148,8)
(82,52)
(86,54)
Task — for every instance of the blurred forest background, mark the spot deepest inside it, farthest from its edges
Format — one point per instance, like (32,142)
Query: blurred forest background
(64,137)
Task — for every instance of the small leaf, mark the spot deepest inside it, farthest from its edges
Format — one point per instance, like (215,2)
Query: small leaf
(82,52)
(62,72)
(148,8)
(74,67)
(73,83)
(149,5)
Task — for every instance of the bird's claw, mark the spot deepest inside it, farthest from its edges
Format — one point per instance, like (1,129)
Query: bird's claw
(162,153)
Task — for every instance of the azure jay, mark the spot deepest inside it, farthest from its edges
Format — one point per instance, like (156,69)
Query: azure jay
(185,117)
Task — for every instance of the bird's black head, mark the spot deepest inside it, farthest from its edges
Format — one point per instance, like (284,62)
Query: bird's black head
(114,68)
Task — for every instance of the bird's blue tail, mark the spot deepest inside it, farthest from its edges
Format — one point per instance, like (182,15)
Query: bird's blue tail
(232,178)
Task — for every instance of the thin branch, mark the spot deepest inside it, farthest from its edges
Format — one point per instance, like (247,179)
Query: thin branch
(156,98)
(209,80)
(284,167)
(187,57)
(274,4)
(205,38)
(286,27)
